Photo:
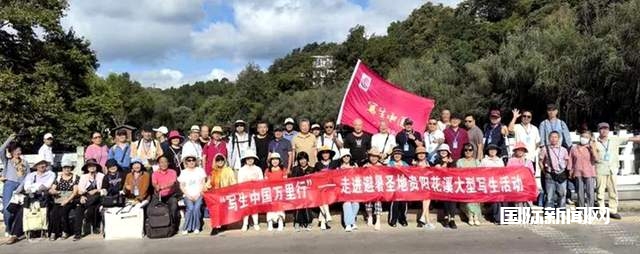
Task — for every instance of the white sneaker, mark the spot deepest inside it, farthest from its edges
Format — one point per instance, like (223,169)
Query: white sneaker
(6,235)
(354,227)
(309,228)
(196,232)
(185,232)
(270,227)
(323,225)
(348,228)
(280,225)
(377,226)
(370,221)
(256,227)
(244,228)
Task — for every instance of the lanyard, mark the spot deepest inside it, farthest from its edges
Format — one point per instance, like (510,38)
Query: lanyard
(455,139)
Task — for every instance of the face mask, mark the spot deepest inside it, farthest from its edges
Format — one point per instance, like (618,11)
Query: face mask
(584,141)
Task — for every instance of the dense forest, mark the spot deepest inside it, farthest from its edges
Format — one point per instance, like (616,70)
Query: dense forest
(582,54)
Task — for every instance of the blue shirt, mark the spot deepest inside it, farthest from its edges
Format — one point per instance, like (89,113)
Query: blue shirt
(282,147)
(289,136)
(10,172)
(546,127)
(121,155)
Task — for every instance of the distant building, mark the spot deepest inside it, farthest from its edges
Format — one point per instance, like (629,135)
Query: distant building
(322,68)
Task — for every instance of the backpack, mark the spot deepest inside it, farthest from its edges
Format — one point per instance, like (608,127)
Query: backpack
(159,223)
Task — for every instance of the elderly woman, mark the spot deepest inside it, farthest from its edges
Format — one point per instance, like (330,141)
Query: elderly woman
(136,183)
(64,190)
(36,185)
(164,181)
(192,183)
(15,169)
(97,150)
(89,191)
(472,210)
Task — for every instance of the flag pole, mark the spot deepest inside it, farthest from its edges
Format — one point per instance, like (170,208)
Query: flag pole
(344,98)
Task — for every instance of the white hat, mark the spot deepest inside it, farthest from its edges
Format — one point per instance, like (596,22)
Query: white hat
(289,120)
(315,126)
(47,136)
(162,129)
(187,155)
(274,156)
(240,122)
(345,152)
(444,147)
(195,128)
(249,154)
(66,163)
(39,160)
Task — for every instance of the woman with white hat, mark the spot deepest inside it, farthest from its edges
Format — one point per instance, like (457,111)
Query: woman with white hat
(374,208)
(444,160)
(192,183)
(275,172)
(349,209)
(63,190)
(36,184)
(250,172)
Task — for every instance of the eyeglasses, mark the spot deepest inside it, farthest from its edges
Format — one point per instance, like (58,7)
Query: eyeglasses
(526,116)
(433,123)
(468,150)
(328,127)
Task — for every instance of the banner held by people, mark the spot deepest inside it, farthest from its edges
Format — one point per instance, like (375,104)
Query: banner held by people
(373,99)
(230,204)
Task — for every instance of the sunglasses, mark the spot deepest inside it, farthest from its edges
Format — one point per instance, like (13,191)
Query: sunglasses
(468,150)
(433,123)
(526,116)
(328,127)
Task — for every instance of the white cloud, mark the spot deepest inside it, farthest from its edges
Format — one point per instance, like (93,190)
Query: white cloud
(268,29)
(167,77)
(141,31)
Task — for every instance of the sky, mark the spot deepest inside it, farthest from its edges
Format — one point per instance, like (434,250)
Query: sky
(168,43)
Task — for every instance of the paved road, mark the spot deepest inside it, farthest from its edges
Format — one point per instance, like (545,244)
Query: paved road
(617,237)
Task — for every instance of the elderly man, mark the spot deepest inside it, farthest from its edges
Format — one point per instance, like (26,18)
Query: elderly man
(445,119)
(146,149)
(526,132)
(607,167)
(305,141)
(476,137)
(384,141)
(282,146)
(358,142)
(495,133)
(408,139)
(46,150)
(330,138)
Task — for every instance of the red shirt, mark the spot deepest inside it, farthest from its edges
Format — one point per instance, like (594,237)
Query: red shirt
(209,151)
(164,179)
(456,141)
(275,176)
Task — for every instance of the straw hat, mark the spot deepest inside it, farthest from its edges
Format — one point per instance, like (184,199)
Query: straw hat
(325,149)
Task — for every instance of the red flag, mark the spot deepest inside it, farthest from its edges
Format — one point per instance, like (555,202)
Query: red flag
(228,205)
(371,98)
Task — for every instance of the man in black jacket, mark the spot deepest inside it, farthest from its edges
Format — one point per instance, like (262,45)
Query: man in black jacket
(408,140)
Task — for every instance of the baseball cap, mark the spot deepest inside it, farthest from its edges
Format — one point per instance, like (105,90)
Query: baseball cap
(48,136)
(408,121)
(289,120)
(163,129)
(603,125)
(195,128)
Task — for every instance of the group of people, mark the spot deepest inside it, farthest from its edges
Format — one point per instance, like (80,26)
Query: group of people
(163,166)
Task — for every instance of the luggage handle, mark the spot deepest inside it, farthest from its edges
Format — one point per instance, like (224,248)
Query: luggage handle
(121,211)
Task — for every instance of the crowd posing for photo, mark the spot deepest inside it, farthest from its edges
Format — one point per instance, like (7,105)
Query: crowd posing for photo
(163,171)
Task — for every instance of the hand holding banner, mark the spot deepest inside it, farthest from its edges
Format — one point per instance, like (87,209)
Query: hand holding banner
(230,204)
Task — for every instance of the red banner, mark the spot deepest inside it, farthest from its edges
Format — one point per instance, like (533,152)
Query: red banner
(230,204)
(371,98)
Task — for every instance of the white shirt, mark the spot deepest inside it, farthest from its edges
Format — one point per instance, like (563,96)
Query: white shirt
(193,181)
(328,141)
(442,126)
(530,136)
(237,148)
(378,141)
(192,148)
(249,173)
(47,153)
(430,140)
(487,162)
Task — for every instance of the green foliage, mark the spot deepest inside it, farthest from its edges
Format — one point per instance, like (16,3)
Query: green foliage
(583,55)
